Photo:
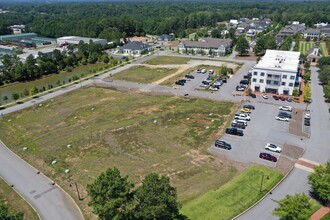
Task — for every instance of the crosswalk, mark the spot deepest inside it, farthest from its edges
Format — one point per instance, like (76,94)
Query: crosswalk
(306,165)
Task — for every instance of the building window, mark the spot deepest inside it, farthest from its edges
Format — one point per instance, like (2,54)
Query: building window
(262,74)
(291,84)
(261,80)
(276,83)
(268,81)
(277,76)
(292,77)
(284,76)
(255,73)
(254,80)
(283,84)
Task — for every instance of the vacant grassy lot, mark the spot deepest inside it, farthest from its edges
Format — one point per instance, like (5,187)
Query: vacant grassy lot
(15,202)
(163,60)
(234,197)
(138,133)
(324,49)
(143,74)
(304,47)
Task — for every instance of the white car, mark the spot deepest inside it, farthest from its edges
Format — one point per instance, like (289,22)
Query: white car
(213,88)
(239,121)
(282,118)
(307,116)
(203,85)
(264,95)
(273,147)
(243,117)
(286,108)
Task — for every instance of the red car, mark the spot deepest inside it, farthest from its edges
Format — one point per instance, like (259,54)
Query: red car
(267,156)
(282,98)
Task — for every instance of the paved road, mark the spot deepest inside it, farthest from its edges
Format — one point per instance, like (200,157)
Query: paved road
(317,149)
(49,200)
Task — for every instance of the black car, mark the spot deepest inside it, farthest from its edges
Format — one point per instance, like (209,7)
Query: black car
(307,122)
(179,82)
(222,144)
(188,76)
(253,95)
(267,156)
(244,82)
(249,106)
(223,79)
(285,114)
(234,131)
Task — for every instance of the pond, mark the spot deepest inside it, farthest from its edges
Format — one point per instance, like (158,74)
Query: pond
(9,89)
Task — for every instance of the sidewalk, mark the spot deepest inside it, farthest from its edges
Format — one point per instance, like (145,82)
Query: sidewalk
(320,213)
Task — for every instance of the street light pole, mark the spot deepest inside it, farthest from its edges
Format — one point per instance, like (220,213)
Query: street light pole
(262,181)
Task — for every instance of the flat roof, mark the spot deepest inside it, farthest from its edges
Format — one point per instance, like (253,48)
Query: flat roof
(44,39)
(279,60)
(17,35)
(78,39)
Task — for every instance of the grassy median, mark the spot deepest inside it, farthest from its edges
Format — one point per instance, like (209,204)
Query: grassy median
(91,129)
(234,197)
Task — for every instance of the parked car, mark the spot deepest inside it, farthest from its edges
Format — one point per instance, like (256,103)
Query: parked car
(285,108)
(264,95)
(188,76)
(203,71)
(203,85)
(240,88)
(267,156)
(222,144)
(245,110)
(284,114)
(236,121)
(273,147)
(288,99)
(213,88)
(211,71)
(282,98)
(276,97)
(253,95)
(307,116)
(224,79)
(234,131)
(205,82)
(179,82)
(307,122)
(282,118)
(238,125)
(199,70)
(243,117)
(249,106)
(244,82)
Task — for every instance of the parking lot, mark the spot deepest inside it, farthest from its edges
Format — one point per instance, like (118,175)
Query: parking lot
(262,129)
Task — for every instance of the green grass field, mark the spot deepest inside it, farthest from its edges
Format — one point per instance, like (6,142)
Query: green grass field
(324,49)
(138,133)
(165,60)
(234,197)
(304,47)
(15,202)
(143,74)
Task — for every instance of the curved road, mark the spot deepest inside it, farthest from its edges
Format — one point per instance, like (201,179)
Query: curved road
(52,203)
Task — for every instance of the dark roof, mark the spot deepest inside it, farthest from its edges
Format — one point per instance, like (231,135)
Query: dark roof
(312,30)
(135,45)
(292,29)
(314,52)
(208,42)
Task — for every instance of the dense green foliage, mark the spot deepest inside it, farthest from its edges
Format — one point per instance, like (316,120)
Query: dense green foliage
(265,42)
(320,182)
(115,20)
(296,207)
(242,45)
(15,70)
(5,214)
(324,75)
(113,197)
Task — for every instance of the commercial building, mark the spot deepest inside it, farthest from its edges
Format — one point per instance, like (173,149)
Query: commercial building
(135,48)
(17,37)
(75,40)
(277,72)
(210,46)
(312,33)
(27,39)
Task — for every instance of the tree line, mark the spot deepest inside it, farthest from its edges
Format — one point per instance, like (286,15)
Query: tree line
(14,69)
(116,20)
(324,75)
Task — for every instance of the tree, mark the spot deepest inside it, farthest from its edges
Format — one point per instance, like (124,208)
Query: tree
(5,215)
(15,96)
(320,182)
(307,64)
(295,92)
(242,45)
(308,39)
(296,207)
(111,195)
(216,33)
(307,92)
(326,90)
(34,90)
(157,199)
(324,74)
(307,76)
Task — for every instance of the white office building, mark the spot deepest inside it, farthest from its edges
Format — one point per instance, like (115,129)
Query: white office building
(277,72)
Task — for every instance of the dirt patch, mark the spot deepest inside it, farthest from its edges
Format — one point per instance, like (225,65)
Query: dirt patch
(197,158)
(250,57)
(288,158)
(296,123)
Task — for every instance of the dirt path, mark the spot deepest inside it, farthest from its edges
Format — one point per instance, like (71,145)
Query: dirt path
(181,69)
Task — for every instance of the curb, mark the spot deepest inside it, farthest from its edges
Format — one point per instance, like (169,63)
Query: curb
(22,197)
(72,200)
(260,200)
